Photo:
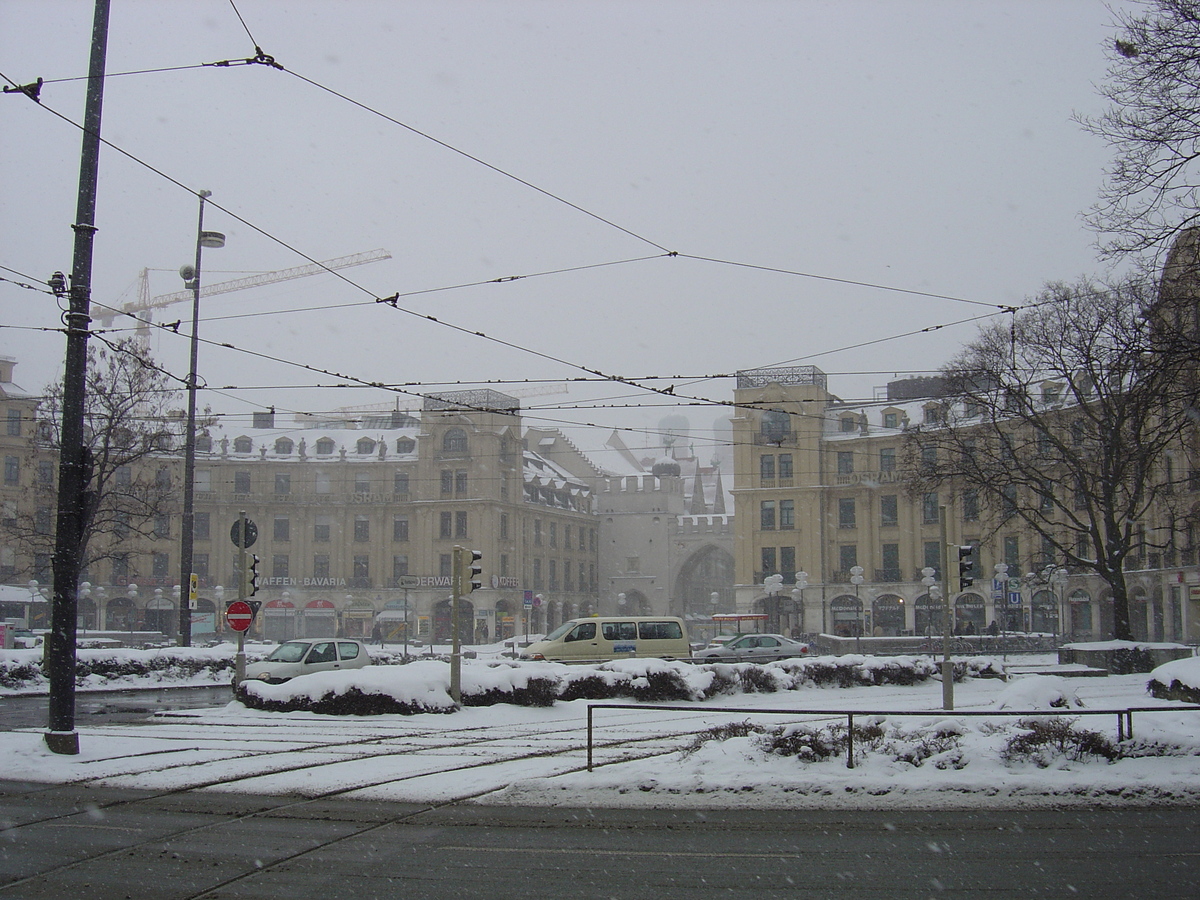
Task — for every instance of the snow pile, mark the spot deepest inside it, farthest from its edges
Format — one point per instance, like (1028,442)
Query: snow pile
(112,669)
(1040,692)
(1177,680)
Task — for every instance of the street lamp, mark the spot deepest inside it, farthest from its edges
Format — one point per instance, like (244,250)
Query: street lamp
(191,278)
(1059,580)
(856,578)
(798,595)
(772,585)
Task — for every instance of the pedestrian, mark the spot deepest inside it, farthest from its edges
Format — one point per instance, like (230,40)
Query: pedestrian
(377,634)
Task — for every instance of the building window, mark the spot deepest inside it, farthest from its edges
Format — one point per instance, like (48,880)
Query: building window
(321,566)
(553,534)
(321,529)
(399,528)
(846,513)
(633,565)
(12,470)
(460,524)
(162,526)
(787,564)
(243,445)
(362,571)
(1012,554)
(891,420)
(454,441)
(890,557)
(887,459)
(552,572)
(399,566)
(768,561)
(566,537)
(847,424)
(785,465)
(45,472)
(847,557)
(14,423)
(400,483)
(362,529)
(124,475)
(776,425)
(405,445)
(325,446)
(283,528)
(200,565)
(929,508)
(201,526)
(322,483)
(160,565)
(766,467)
(445,526)
(889,511)
(283,483)
(362,483)
(766,515)
(364,447)
(970,506)
(787,514)
(928,460)
(504,526)
(120,525)
(445,564)
(120,568)
(537,532)
(202,480)
(241,482)
(933,557)
(460,481)
(162,479)
(283,446)
(279,565)
(568,576)
(537,574)
(504,564)
(845,462)
(41,520)
(1008,500)
(447,481)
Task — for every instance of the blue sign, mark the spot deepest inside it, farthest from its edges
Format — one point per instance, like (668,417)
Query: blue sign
(527,600)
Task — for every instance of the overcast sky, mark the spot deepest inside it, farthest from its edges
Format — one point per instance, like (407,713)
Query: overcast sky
(925,145)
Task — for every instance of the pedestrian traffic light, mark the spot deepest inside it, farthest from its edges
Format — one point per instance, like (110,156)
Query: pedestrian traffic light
(250,576)
(966,567)
(472,572)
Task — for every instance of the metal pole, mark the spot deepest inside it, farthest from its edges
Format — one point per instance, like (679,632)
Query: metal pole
(947,665)
(455,647)
(189,453)
(74,465)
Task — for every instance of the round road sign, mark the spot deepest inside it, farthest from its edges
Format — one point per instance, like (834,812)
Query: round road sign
(239,615)
(235,533)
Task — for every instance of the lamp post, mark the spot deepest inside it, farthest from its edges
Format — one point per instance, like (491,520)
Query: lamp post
(856,578)
(1059,580)
(772,585)
(715,599)
(191,278)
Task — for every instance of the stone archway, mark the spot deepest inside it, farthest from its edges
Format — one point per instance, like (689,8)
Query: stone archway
(887,615)
(710,568)
(846,612)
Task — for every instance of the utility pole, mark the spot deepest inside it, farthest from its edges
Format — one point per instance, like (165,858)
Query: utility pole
(74,469)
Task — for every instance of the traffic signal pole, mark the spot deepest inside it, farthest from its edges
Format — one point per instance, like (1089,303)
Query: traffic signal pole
(947,665)
(455,644)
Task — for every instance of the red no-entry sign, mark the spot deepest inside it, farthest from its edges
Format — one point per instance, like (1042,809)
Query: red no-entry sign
(239,615)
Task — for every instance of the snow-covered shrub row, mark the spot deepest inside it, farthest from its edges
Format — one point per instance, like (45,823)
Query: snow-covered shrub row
(24,670)
(424,685)
(949,744)
(1177,680)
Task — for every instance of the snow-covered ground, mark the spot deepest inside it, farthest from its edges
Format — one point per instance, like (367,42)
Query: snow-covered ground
(506,754)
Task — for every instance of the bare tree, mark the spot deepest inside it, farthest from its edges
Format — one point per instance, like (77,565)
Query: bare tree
(1061,421)
(133,430)
(1153,124)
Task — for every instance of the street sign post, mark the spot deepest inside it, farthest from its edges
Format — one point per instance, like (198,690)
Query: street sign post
(239,615)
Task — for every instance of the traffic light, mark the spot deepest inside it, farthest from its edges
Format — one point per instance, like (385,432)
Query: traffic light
(966,567)
(250,576)
(472,572)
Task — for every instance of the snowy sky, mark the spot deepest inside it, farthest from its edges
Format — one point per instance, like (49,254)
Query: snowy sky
(925,145)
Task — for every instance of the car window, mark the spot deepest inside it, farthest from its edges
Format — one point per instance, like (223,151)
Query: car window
(743,643)
(619,631)
(584,631)
(289,651)
(659,631)
(348,649)
(768,642)
(322,653)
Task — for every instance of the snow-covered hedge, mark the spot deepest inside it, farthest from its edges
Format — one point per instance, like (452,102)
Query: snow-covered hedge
(424,685)
(1177,680)
(24,670)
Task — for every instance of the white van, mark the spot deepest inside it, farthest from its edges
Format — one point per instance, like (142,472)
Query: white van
(613,637)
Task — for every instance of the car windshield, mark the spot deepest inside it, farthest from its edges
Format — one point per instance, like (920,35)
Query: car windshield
(560,631)
(289,651)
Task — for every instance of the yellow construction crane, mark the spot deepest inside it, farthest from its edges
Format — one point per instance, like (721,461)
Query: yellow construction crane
(141,307)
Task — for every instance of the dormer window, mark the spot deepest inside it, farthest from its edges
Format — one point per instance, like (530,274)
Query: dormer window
(325,446)
(405,445)
(283,447)
(848,424)
(891,419)
(365,446)
(934,414)
(243,445)
(454,441)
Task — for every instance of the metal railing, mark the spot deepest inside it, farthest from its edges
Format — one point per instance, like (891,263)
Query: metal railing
(1124,716)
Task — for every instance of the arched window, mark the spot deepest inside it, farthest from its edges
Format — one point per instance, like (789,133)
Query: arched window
(405,445)
(283,446)
(455,441)
(775,425)
(324,446)
(243,445)
(364,446)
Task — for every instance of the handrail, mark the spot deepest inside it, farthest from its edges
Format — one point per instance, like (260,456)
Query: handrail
(1124,716)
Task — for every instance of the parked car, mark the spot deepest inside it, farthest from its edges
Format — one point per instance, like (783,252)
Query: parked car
(303,657)
(755,648)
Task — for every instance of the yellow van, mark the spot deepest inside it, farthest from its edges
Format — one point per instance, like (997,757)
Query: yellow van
(613,637)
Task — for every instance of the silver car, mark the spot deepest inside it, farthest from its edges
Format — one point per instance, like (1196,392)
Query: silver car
(754,648)
(302,657)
